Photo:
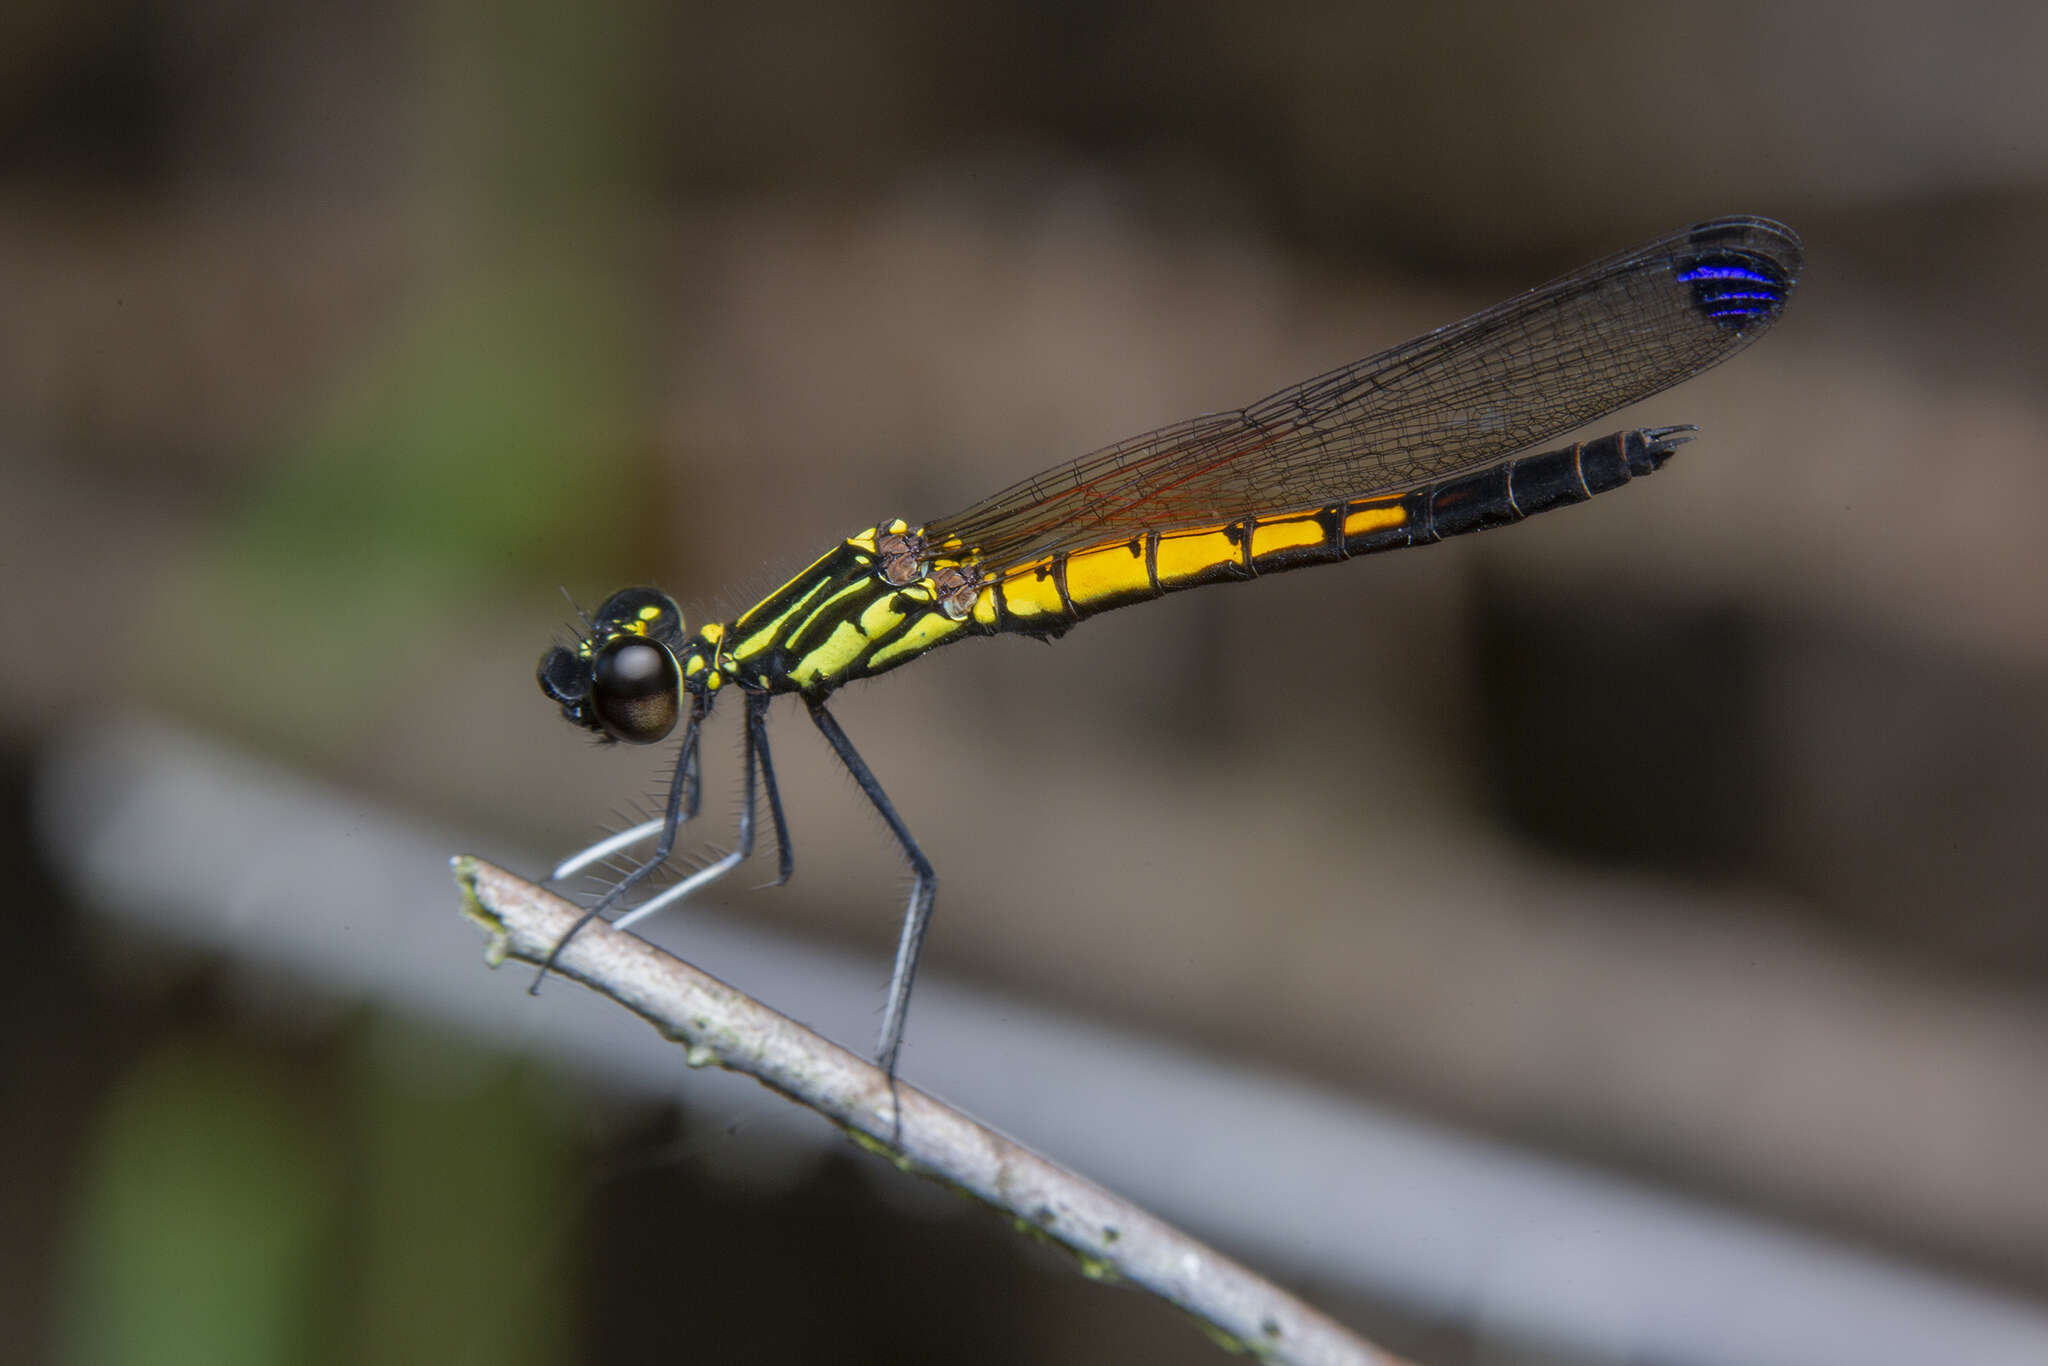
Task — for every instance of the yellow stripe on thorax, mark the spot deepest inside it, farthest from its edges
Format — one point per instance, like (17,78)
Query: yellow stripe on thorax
(829,660)
(927,631)
(772,631)
(880,617)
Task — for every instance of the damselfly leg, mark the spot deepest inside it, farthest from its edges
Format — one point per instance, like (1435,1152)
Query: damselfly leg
(685,791)
(757,739)
(924,888)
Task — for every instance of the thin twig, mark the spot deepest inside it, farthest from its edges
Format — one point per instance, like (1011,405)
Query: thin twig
(1109,1238)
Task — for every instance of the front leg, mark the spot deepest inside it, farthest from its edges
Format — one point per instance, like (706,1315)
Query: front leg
(683,791)
(691,767)
(756,759)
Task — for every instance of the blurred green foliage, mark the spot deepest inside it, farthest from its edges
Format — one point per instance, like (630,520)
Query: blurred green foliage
(411,1204)
(500,409)
(461,454)
(205,1223)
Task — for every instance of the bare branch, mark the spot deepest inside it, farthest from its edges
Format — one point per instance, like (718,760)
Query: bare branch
(1109,1238)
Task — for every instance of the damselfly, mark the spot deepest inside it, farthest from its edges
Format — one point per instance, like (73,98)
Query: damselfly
(1403,448)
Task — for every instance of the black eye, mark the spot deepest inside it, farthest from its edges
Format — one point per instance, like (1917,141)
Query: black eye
(645,612)
(564,677)
(634,690)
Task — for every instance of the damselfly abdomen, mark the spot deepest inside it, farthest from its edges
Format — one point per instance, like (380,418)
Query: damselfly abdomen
(1403,448)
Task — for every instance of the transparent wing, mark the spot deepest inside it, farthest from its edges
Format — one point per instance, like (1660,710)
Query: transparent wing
(1457,399)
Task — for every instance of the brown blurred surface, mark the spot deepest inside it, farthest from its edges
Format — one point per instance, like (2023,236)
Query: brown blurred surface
(1697,832)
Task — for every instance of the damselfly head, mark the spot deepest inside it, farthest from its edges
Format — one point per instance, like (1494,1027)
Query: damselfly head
(622,681)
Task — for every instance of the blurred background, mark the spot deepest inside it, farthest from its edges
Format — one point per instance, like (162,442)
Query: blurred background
(1638,919)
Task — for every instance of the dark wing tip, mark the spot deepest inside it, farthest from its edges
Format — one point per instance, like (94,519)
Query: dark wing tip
(1740,270)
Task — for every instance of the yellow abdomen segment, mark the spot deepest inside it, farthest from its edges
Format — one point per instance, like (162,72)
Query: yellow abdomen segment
(1051,593)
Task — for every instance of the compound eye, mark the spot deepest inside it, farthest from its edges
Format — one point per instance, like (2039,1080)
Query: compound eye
(564,677)
(645,612)
(635,690)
